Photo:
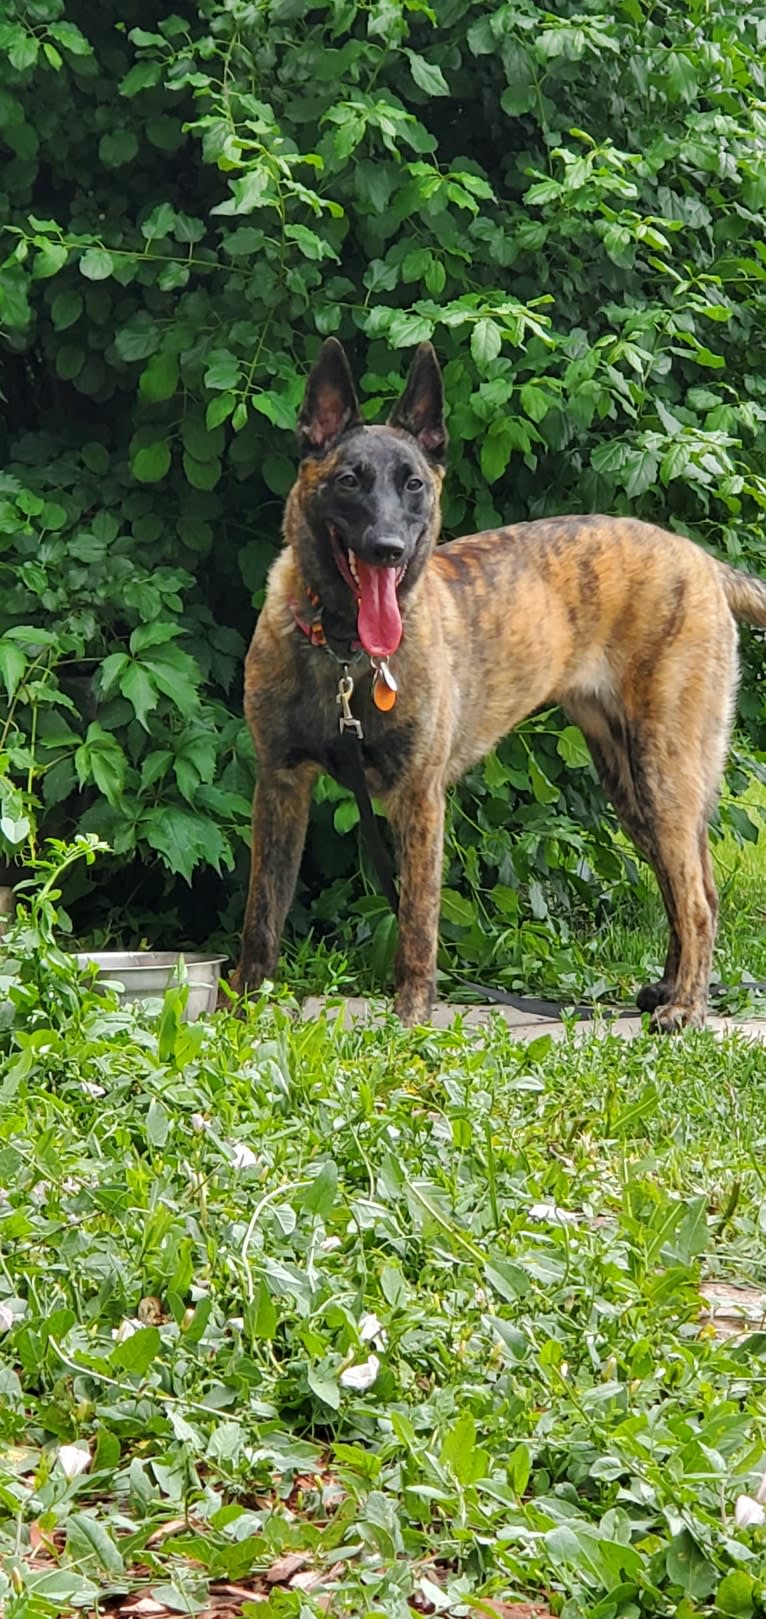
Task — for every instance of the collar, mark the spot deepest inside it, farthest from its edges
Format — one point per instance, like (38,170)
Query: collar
(313,628)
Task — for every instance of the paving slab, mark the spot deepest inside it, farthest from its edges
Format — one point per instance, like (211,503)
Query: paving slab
(525,1025)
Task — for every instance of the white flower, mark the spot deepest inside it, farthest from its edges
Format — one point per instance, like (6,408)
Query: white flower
(236,1323)
(7,1318)
(330,1244)
(748,1511)
(71,1184)
(73,1460)
(370,1329)
(38,1192)
(4,1198)
(200,1125)
(552,1213)
(126,1329)
(360,1377)
(91,1088)
(242,1156)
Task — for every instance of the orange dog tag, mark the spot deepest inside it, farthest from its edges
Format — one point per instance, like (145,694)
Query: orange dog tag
(383,696)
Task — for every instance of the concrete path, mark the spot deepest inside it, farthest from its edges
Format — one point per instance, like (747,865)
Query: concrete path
(525,1025)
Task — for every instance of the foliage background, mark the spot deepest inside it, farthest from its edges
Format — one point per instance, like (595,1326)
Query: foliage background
(569,205)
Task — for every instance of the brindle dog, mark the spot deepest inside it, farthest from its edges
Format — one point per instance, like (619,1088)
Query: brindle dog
(631,628)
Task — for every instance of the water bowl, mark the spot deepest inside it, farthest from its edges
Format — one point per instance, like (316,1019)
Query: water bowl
(144,975)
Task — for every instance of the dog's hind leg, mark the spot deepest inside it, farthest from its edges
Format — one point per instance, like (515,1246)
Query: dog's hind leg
(280,816)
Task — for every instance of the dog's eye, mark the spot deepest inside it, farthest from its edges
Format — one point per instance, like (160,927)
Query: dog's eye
(414,485)
(347,480)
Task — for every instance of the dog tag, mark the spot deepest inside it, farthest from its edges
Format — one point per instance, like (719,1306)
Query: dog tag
(384,686)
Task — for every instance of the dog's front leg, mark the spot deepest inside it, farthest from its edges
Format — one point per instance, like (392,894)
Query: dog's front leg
(280,813)
(417,819)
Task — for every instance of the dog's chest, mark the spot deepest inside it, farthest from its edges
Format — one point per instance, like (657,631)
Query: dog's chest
(307,726)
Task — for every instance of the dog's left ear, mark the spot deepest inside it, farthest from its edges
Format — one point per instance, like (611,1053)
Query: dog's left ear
(420,411)
(330,404)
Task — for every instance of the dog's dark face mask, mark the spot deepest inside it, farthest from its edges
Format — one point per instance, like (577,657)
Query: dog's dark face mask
(370,494)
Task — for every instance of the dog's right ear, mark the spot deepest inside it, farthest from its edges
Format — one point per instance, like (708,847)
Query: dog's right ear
(330,405)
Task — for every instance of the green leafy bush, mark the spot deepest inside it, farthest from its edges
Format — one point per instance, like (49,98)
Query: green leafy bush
(569,205)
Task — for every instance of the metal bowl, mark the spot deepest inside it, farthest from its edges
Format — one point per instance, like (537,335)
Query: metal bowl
(144,975)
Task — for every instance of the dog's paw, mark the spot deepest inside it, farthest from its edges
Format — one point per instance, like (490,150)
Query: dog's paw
(650,996)
(414,1003)
(675,1016)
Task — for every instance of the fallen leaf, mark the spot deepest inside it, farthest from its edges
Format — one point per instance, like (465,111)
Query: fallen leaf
(174,1526)
(732,1310)
(285,1567)
(492,1609)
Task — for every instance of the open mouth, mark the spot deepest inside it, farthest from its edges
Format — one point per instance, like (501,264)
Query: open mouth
(379,620)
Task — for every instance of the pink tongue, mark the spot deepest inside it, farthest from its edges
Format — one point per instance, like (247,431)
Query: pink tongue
(379,622)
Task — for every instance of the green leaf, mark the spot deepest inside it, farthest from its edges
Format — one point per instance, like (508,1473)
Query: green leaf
(159,380)
(62,1590)
(23,52)
(137,685)
(136,1353)
(275,407)
(117,147)
(220,409)
(159,222)
(151,463)
(182,839)
(319,1196)
(456,909)
(346,815)
(49,259)
(735,1594)
(508,1279)
(68,36)
(544,790)
(13,664)
(486,342)
(142,76)
(265,1319)
(201,474)
(89,1544)
(496,450)
(66,308)
(222,370)
(427,75)
(157,1123)
(96,264)
(573,748)
(309,243)
(324,1387)
(458,1448)
(139,338)
(535,401)
(688,1567)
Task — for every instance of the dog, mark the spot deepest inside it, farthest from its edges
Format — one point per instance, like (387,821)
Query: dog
(423,658)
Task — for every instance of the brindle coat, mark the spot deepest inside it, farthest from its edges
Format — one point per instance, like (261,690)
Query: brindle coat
(631,628)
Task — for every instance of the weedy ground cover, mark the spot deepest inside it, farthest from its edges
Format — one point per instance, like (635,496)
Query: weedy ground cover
(410,1319)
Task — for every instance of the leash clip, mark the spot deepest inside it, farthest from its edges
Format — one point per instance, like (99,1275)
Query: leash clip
(346,720)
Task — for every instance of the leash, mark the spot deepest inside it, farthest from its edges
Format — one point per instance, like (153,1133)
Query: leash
(352,776)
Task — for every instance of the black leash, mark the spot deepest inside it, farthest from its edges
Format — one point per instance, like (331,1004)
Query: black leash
(352,776)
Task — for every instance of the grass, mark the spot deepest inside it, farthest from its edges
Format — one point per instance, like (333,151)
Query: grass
(418,1310)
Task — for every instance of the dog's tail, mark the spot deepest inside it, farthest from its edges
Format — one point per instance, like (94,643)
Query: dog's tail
(746,596)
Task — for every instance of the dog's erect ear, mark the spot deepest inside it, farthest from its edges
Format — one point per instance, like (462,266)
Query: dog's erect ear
(330,404)
(420,411)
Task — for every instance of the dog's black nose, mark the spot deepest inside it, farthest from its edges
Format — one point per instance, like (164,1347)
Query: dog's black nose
(385,549)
